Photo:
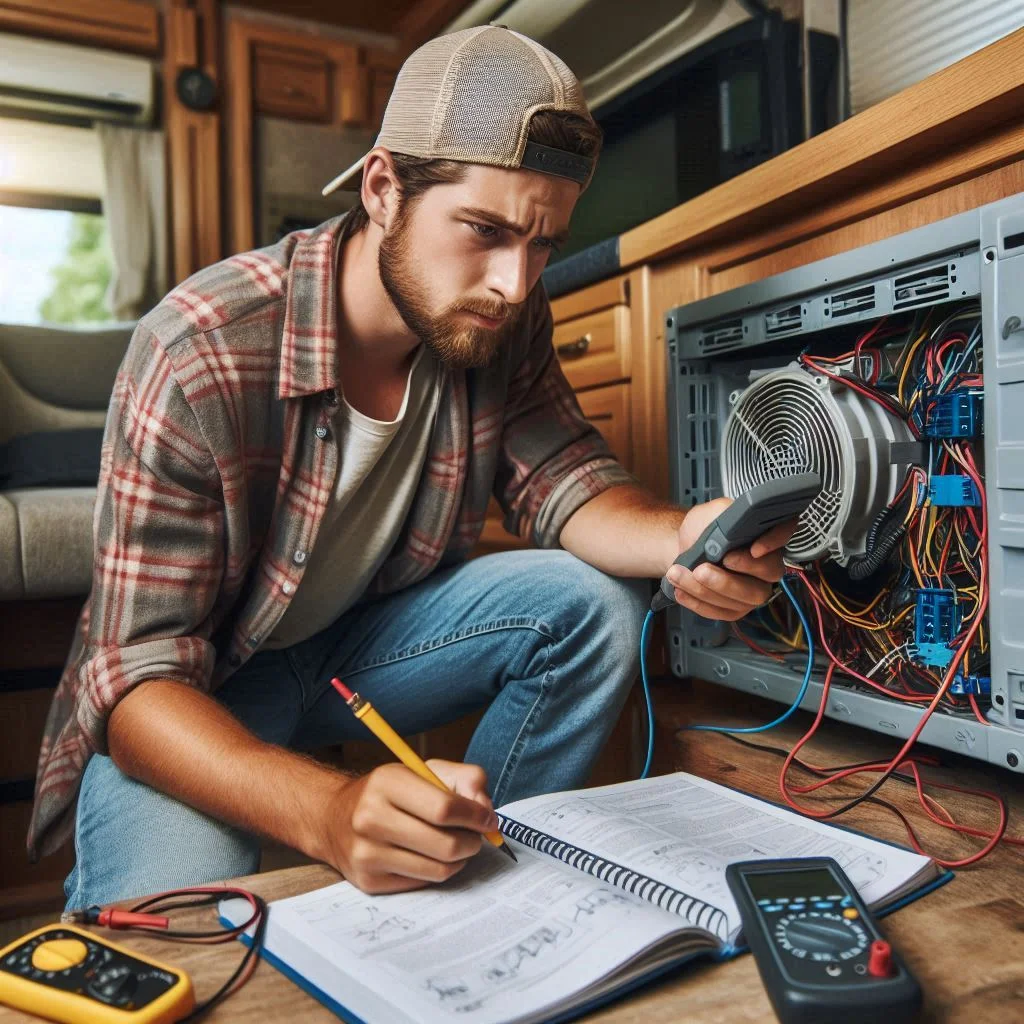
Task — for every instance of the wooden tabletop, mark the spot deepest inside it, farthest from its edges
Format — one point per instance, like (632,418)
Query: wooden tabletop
(965,942)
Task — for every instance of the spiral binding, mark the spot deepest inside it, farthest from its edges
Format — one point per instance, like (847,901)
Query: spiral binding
(695,911)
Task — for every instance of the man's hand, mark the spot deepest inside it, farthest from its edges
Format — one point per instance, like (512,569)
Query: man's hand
(744,578)
(391,831)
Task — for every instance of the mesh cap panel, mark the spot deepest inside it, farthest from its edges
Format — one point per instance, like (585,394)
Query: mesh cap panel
(470,95)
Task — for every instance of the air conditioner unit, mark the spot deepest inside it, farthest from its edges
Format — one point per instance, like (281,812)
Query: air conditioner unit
(610,50)
(73,83)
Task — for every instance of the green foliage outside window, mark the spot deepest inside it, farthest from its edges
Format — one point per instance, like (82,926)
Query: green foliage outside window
(79,292)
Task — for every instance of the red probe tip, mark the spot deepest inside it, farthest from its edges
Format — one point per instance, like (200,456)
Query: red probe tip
(342,688)
(880,959)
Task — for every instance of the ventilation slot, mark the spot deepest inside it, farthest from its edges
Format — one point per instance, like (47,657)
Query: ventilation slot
(1013,241)
(724,335)
(856,300)
(783,321)
(702,479)
(921,288)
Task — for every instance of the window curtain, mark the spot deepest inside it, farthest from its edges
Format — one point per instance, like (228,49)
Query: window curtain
(135,208)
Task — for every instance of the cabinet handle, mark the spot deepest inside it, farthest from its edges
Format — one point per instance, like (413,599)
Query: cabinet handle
(572,349)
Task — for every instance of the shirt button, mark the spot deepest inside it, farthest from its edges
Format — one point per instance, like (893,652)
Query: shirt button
(288,587)
(299,557)
(254,641)
(321,432)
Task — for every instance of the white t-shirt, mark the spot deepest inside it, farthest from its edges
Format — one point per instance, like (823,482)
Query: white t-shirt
(379,467)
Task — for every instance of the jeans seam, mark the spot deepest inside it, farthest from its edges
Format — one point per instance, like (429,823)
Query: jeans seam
(427,647)
(525,729)
(307,700)
(74,902)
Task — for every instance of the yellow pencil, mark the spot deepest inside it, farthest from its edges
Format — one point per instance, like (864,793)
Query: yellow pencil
(370,717)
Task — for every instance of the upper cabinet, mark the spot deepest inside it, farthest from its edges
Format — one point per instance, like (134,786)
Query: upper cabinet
(284,73)
(289,82)
(118,24)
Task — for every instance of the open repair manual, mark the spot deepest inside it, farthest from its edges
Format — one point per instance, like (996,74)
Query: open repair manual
(614,885)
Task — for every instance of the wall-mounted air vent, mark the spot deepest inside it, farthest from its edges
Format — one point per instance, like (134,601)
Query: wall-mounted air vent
(783,321)
(922,287)
(723,335)
(854,300)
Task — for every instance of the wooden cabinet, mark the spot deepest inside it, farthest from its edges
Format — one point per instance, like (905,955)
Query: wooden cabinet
(592,339)
(289,82)
(381,72)
(608,409)
(120,24)
(302,76)
(594,349)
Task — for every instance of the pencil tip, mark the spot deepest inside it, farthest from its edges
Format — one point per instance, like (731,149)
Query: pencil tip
(507,849)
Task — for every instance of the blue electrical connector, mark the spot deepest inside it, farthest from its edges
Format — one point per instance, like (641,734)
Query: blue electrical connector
(953,415)
(953,491)
(962,684)
(936,623)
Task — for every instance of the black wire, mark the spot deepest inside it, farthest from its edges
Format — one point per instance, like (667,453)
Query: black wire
(150,906)
(780,752)
(179,901)
(252,951)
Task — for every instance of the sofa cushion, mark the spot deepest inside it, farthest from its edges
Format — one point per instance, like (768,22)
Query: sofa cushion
(46,542)
(52,458)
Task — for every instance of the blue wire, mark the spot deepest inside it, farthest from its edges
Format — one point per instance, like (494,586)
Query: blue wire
(644,638)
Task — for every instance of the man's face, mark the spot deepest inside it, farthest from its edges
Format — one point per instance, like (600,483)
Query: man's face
(460,263)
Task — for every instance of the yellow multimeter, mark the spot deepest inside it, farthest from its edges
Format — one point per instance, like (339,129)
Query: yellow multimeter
(65,973)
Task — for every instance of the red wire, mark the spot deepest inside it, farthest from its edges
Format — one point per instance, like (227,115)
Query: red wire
(887,769)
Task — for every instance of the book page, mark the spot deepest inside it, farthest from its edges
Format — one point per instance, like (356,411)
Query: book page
(683,831)
(498,942)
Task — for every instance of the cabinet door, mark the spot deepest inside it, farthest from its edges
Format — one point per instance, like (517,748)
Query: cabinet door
(594,349)
(291,83)
(608,409)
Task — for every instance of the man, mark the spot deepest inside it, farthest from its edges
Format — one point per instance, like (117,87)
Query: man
(300,449)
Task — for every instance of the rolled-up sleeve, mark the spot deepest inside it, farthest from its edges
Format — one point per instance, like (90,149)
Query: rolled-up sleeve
(158,544)
(552,460)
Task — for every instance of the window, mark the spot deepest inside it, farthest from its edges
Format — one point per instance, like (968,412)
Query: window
(54,266)
(55,262)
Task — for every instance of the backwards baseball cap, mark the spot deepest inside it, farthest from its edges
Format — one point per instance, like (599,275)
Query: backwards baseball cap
(469,96)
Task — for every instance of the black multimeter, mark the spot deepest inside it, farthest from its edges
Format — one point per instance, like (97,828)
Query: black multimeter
(750,516)
(818,950)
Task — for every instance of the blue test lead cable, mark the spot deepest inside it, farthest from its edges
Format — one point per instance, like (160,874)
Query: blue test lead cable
(644,639)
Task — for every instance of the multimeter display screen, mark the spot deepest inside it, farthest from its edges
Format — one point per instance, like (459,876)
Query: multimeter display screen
(816,883)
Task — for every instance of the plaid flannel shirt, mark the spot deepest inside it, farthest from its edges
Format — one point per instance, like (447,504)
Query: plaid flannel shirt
(218,462)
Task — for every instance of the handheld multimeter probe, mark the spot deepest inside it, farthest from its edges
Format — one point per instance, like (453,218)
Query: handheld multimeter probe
(818,950)
(751,515)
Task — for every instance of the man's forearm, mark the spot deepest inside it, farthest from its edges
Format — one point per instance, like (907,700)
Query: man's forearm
(625,531)
(184,743)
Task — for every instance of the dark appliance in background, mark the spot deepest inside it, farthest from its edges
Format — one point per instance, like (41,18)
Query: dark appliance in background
(717,111)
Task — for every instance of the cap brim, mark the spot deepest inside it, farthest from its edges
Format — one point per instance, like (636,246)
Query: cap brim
(347,179)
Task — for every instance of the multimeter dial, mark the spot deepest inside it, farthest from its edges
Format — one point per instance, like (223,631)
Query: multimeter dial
(821,936)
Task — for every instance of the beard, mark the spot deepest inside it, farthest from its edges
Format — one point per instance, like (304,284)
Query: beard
(453,342)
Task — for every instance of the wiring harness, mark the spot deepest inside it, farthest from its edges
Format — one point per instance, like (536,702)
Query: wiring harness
(907,617)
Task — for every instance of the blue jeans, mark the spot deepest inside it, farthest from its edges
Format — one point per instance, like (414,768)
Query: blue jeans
(546,643)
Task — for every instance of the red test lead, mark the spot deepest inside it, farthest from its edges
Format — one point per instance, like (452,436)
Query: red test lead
(108,917)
